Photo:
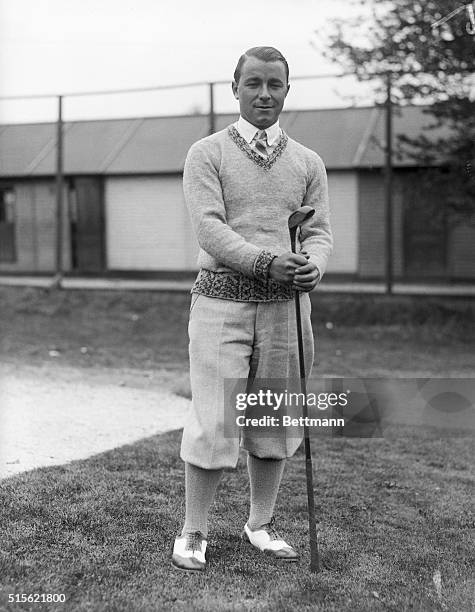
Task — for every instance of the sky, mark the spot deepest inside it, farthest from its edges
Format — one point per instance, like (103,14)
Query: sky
(65,46)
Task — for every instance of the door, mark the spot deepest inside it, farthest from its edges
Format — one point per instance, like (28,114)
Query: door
(86,208)
(425,228)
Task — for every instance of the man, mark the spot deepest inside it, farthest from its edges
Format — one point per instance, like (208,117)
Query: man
(240,185)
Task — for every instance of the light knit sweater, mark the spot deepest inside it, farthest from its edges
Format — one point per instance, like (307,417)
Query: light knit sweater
(239,203)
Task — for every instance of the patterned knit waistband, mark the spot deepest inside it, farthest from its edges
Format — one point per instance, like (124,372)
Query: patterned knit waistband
(240,288)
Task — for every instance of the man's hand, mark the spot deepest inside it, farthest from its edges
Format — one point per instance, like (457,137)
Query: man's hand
(306,276)
(282,268)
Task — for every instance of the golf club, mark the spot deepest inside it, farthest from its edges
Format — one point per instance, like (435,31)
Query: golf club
(295,221)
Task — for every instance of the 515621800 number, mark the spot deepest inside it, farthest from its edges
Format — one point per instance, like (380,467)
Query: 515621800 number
(36,597)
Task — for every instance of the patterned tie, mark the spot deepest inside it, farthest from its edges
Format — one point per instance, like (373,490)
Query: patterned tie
(261,143)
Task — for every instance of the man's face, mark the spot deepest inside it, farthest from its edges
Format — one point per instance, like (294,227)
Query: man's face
(261,91)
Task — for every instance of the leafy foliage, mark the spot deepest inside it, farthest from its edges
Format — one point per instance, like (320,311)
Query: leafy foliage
(430,66)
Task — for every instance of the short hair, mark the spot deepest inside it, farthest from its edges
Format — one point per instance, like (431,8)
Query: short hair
(266,54)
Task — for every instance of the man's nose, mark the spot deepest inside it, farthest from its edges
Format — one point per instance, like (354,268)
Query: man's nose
(264,93)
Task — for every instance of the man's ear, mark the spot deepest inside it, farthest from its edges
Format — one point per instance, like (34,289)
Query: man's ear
(288,87)
(234,87)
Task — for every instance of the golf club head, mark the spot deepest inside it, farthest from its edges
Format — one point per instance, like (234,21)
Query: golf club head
(300,215)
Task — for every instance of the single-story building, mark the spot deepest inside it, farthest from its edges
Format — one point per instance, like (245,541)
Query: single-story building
(124,210)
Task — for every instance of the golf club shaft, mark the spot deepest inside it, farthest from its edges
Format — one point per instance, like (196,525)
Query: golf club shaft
(312,523)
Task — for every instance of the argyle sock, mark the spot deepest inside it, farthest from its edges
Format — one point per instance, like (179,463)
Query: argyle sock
(200,489)
(264,476)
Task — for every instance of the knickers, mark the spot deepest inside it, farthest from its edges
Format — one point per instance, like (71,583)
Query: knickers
(239,340)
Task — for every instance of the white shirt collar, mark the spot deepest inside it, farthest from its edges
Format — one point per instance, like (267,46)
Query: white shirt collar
(248,131)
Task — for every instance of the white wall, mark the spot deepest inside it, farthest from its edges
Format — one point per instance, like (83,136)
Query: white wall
(147,225)
(343,189)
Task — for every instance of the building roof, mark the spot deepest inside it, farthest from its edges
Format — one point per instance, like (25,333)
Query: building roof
(344,138)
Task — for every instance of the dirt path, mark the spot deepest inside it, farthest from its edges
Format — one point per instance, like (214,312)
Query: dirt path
(51,415)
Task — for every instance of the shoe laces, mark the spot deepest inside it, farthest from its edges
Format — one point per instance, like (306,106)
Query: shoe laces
(269,527)
(194,540)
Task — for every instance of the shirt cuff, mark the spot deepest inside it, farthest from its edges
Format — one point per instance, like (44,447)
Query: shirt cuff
(262,265)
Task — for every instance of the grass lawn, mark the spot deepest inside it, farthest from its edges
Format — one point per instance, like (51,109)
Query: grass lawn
(396,513)
(396,529)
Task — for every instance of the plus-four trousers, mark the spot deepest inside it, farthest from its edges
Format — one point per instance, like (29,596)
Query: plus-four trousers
(240,340)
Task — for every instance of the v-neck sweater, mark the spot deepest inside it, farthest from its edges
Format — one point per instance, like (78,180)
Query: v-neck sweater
(239,204)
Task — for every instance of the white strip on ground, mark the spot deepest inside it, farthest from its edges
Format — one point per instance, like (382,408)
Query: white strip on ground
(50,420)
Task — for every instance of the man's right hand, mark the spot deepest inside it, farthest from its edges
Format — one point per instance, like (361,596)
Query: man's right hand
(282,268)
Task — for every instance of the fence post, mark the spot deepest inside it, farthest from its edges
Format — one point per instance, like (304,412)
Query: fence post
(388,188)
(212,119)
(59,193)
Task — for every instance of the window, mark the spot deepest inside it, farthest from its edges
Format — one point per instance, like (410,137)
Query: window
(7,203)
(7,224)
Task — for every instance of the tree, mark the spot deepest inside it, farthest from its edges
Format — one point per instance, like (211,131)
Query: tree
(435,67)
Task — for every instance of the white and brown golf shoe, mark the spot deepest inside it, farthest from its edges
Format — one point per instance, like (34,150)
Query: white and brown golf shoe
(189,552)
(269,541)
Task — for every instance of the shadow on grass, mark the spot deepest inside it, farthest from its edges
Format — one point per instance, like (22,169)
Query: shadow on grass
(394,512)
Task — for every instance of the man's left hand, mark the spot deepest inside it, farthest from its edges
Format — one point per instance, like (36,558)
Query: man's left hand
(306,277)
